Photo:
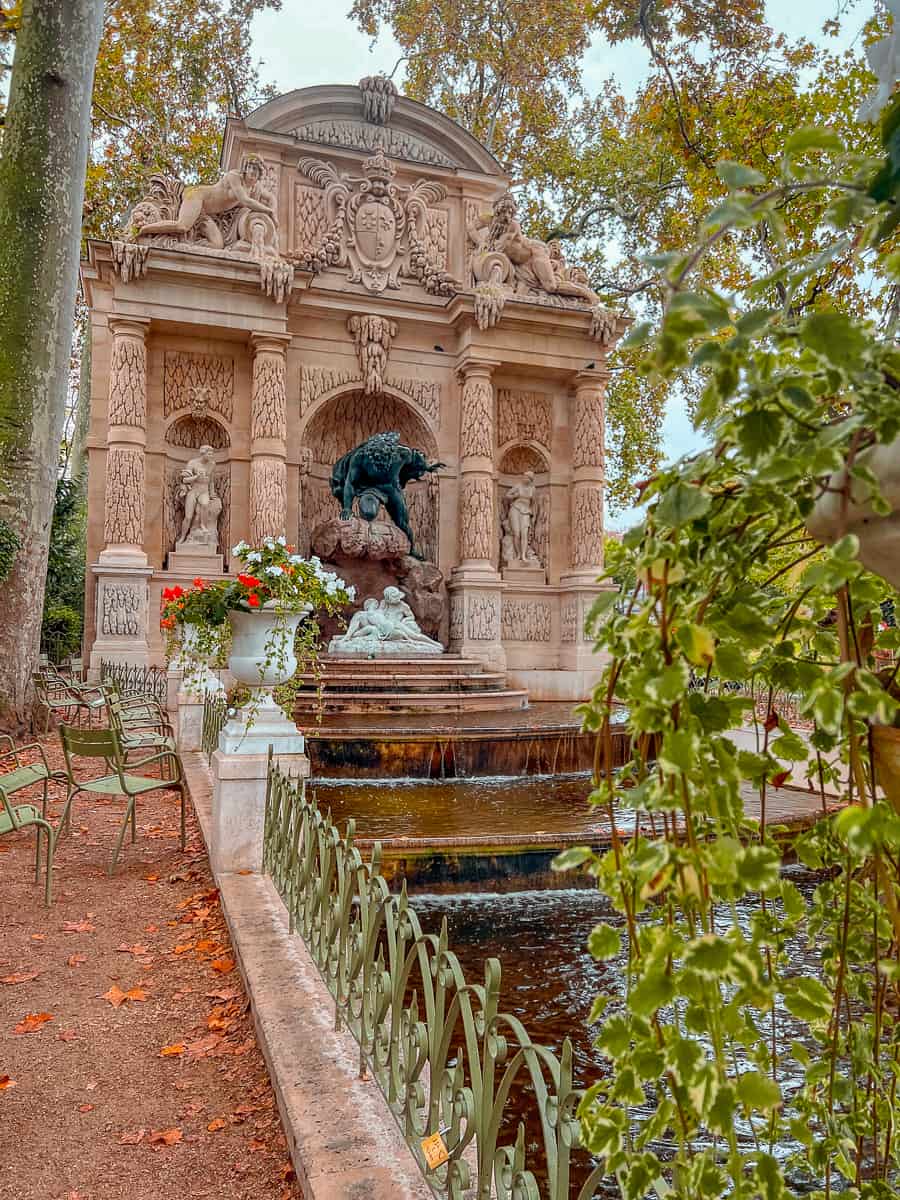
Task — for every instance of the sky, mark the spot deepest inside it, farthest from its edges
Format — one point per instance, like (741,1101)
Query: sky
(305,44)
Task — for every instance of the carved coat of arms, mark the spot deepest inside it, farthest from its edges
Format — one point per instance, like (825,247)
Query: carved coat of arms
(376,227)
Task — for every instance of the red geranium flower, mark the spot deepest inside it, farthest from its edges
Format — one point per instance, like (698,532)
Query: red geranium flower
(253,600)
(199,583)
(249,581)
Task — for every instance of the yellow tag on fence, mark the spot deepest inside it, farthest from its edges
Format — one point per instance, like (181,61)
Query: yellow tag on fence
(435,1150)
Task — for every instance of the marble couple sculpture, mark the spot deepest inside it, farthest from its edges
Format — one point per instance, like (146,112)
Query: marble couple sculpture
(383,628)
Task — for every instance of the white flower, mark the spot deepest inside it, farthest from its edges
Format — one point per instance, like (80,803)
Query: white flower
(254,557)
(281,541)
(296,558)
(316,561)
(274,570)
(239,549)
(270,545)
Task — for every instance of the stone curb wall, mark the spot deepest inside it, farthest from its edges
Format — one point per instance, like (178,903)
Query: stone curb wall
(342,1137)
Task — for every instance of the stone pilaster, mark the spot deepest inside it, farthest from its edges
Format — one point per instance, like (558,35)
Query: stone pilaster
(268,437)
(475,585)
(580,584)
(122,572)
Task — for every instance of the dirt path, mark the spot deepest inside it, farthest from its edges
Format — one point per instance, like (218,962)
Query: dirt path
(157,1094)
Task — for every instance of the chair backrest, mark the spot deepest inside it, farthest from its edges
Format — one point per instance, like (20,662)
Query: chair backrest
(8,808)
(90,743)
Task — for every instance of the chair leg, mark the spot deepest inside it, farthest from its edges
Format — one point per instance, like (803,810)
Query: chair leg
(133,822)
(48,882)
(129,811)
(37,854)
(183,829)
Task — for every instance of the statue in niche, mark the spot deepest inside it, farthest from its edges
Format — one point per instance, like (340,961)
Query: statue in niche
(517,524)
(376,473)
(196,490)
(382,628)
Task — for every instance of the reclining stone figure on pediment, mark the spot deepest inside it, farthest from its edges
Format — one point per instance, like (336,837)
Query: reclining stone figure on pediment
(236,215)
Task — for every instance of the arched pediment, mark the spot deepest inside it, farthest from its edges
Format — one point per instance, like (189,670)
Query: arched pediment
(333,115)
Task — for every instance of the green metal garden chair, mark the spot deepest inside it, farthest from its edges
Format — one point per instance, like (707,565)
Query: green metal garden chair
(121,779)
(58,695)
(15,775)
(143,727)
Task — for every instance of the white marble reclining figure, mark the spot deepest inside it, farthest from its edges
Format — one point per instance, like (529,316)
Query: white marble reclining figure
(384,628)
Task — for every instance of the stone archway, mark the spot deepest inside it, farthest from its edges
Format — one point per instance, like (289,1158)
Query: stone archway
(343,422)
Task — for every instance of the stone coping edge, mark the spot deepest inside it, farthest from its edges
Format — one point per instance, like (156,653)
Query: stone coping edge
(342,1137)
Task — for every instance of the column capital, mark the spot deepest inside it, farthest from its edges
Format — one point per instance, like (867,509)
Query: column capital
(121,326)
(589,377)
(275,343)
(472,365)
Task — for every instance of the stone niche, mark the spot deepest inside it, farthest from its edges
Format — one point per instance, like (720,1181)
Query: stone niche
(183,439)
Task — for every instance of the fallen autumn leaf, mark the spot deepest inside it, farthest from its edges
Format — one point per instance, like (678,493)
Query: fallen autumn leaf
(32,1021)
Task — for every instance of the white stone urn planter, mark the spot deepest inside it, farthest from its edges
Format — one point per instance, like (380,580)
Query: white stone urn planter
(197,676)
(262,656)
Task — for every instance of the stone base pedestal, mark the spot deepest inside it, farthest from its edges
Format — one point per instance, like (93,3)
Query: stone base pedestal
(249,732)
(189,722)
(576,647)
(122,609)
(239,806)
(530,574)
(475,608)
(194,562)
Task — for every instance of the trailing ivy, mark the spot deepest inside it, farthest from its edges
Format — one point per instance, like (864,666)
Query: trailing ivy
(705,1096)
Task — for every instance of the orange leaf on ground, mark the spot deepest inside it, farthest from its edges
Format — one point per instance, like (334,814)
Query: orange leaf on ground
(23,977)
(132,1139)
(256,1144)
(152,878)
(78,927)
(172,1051)
(218,1123)
(85,1108)
(32,1021)
(117,997)
(206,945)
(165,1137)
(39,937)
(222,965)
(183,948)
(75,960)
(67,1035)
(6,1082)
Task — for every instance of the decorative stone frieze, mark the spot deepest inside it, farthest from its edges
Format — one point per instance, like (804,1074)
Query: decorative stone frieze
(372,336)
(526,620)
(359,135)
(482,616)
(568,620)
(121,608)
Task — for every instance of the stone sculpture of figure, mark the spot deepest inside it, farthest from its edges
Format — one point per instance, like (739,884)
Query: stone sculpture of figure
(499,232)
(203,202)
(376,473)
(201,504)
(518,522)
(383,628)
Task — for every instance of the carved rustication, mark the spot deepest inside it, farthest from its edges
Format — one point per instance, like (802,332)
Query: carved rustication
(121,610)
(310,219)
(317,381)
(198,381)
(587,526)
(360,136)
(587,434)
(476,517)
(519,459)
(194,432)
(317,505)
(423,503)
(128,382)
(568,620)
(372,337)
(268,498)
(425,392)
(525,620)
(476,432)
(524,417)
(124,511)
(457,617)
(268,405)
(346,421)
(482,617)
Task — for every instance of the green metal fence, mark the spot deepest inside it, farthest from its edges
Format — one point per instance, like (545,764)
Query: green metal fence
(126,677)
(443,1054)
(215,714)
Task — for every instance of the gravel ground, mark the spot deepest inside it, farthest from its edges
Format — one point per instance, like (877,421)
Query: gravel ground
(128,1063)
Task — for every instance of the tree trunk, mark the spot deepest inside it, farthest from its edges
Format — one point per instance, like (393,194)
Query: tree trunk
(43,161)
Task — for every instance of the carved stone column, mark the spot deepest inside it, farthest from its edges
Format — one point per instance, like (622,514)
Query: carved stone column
(122,572)
(268,437)
(580,584)
(475,586)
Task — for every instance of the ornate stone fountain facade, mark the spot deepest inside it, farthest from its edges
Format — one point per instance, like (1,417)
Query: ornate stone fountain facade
(357,268)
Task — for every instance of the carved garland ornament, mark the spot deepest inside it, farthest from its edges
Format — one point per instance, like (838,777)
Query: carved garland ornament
(359,135)
(372,337)
(526,620)
(121,611)
(568,621)
(482,617)
(316,382)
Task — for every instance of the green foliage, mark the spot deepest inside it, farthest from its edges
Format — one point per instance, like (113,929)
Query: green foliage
(697,1058)
(65,561)
(61,631)
(9,544)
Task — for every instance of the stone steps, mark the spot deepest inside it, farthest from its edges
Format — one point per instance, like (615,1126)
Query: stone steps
(502,700)
(350,682)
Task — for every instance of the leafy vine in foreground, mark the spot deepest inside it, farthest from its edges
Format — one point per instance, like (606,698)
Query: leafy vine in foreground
(706,1096)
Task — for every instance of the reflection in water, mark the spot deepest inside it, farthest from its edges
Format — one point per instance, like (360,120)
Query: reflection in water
(549,980)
